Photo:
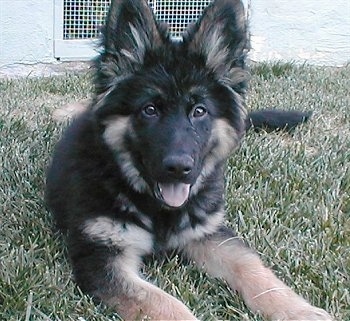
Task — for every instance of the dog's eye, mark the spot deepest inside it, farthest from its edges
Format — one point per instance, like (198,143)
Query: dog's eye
(199,111)
(150,110)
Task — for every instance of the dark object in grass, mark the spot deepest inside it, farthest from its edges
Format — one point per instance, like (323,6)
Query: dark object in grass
(273,119)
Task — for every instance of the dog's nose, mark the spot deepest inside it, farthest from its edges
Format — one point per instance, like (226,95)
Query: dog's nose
(178,166)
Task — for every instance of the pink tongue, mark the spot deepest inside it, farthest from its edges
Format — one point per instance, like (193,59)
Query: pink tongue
(175,194)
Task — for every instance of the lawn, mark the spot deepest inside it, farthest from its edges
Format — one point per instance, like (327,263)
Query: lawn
(287,195)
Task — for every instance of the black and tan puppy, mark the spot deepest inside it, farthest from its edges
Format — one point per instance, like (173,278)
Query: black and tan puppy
(141,170)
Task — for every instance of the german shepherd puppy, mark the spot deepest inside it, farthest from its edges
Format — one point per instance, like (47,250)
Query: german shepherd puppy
(142,170)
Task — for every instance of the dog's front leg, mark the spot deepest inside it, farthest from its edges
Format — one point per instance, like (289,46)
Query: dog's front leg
(106,256)
(144,301)
(223,255)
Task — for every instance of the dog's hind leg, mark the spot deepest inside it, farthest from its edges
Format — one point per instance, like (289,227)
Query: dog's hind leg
(71,110)
(223,255)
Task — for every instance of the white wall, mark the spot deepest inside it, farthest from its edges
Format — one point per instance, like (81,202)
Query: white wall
(316,31)
(313,31)
(26,31)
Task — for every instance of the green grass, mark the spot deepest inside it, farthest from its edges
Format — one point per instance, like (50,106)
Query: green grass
(287,196)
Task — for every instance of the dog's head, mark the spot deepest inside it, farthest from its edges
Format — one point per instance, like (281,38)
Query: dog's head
(171,111)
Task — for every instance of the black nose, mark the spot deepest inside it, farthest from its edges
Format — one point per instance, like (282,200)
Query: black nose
(178,166)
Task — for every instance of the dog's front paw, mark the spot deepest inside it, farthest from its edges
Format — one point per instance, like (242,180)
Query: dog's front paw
(309,313)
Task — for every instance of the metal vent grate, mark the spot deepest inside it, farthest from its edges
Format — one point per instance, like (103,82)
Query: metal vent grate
(83,18)
(178,14)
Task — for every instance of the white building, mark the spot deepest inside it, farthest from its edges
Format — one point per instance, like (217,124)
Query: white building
(311,31)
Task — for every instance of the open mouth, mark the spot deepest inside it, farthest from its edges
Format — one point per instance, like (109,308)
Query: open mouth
(173,194)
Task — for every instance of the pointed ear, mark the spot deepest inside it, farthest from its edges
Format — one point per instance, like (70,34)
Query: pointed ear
(220,37)
(130,31)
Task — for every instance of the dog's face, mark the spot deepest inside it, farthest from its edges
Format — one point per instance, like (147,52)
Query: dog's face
(171,111)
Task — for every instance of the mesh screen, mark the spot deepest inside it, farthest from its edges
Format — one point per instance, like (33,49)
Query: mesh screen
(178,14)
(83,18)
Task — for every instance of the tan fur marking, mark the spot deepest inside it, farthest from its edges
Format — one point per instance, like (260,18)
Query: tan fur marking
(108,231)
(227,140)
(216,51)
(210,226)
(148,302)
(116,128)
(71,110)
(262,291)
